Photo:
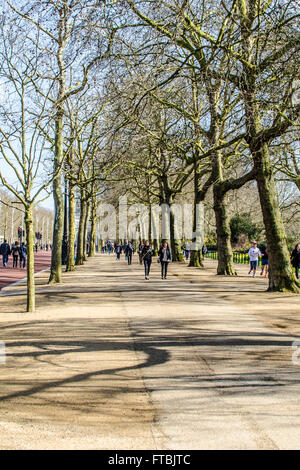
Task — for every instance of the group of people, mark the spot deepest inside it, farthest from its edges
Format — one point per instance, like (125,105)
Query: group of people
(18,252)
(255,252)
(145,252)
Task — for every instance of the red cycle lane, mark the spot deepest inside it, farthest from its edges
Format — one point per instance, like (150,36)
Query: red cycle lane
(8,275)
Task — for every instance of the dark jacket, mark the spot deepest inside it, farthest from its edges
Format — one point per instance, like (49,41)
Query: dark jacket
(129,250)
(161,254)
(118,249)
(295,258)
(147,253)
(23,251)
(264,253)
(4,249)
(15,250)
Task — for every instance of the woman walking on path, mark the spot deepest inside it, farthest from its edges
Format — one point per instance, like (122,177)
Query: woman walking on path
(147,254)
(16,253)
(165,257)
(264,261)
(295,259)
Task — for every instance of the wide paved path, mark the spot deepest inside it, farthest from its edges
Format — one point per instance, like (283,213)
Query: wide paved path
(111,361)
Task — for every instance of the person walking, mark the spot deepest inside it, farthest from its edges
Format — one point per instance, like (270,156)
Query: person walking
(109,247)
(165,257)
(16,253)
(23,255)
(5,252)
(140,252)
(264,261)
(147,254)
(187,251)
(254,253)
(118,250)
(124,246)
(295,259)
(129,250)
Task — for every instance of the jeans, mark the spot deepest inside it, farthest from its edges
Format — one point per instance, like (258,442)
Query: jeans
(147,264)
(164,269)
(297,272)
(23,261)
(129,258)
(5,259)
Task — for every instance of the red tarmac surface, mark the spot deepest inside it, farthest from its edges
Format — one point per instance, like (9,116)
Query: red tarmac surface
(8,275)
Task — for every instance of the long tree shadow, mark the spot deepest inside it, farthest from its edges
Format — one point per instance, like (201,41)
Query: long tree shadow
(155,340)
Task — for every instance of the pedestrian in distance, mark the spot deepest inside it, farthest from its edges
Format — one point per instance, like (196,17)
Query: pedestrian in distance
(165,257)
(129,250)
(16,254)
(264,261)
(254,253)
(187,251)
(118,251)
(295,259)
(23,255)
(5,252)
(140,252)
(124,246)
(147,254)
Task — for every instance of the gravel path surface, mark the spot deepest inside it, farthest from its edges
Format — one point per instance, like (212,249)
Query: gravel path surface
(112,361)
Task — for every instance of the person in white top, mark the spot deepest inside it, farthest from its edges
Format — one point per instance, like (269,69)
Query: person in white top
(254,253)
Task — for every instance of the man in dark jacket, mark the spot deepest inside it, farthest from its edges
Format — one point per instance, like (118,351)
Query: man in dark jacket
(23,255)
(129,252)
(5,251)
(165,257)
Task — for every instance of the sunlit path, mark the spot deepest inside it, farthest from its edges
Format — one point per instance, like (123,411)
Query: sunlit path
(111,361)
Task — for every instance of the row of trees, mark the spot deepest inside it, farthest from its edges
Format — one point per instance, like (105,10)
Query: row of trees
(12,217)
(160,100)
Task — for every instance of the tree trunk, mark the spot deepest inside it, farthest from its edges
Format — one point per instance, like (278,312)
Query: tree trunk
(175,243)
(55,274)
(196,259)
(80,235)
(86,225)
(71,245)
(281,277)
(92,248)
(30,261)
(225,256)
